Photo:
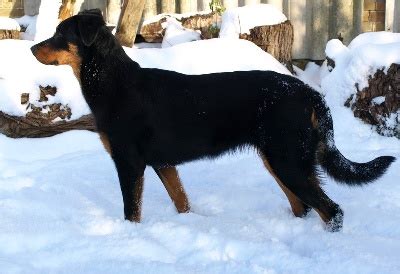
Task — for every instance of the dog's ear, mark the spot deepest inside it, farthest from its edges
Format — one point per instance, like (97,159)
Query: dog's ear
(89,24)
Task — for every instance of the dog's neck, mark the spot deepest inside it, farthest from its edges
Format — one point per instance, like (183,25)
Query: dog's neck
(98,71)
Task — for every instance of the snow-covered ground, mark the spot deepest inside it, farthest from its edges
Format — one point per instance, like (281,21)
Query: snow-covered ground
(61,212)
(61,206)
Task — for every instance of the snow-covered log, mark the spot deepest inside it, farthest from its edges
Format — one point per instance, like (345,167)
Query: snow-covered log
(9,28)
(153,30)
(44,120)
(379,103)
(18,127)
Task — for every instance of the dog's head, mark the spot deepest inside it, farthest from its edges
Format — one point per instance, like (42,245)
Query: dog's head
(73,37)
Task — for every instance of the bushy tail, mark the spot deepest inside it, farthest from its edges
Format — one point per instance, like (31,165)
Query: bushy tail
(333,162)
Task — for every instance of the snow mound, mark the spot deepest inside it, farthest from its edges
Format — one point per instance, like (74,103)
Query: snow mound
(9,24)
(376,38)
(353,65)
(240,20)
(207,56)
(366,54)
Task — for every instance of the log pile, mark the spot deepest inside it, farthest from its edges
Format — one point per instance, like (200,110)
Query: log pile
(379,103)
(44,120)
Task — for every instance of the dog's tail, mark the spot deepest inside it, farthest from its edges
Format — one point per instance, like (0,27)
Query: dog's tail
(332,161)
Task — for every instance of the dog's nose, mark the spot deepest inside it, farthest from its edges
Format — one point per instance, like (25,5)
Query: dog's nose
(34,49)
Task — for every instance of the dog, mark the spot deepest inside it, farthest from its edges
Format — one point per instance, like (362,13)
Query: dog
(160,118)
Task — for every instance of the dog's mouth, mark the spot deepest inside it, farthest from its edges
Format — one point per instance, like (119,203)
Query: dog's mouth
(54,63)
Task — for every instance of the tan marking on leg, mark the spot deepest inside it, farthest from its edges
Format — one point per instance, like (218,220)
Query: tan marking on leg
(314,180)
(296,204)
(137,199)
(314,120)
(106,142)
(170,178)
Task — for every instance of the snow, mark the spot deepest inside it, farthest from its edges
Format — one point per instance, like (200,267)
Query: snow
(47,19)
(20,72)
(30,23)
(175,33)
(61,211)
(61,206)
(8,24)
(241,19)
(378,100)
(376,38)
(207,56)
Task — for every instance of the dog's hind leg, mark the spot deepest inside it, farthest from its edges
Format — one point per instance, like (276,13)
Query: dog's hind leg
(299,208)
(170,178)
(305,186)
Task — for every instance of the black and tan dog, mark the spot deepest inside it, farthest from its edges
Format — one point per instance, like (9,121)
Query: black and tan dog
(159,118)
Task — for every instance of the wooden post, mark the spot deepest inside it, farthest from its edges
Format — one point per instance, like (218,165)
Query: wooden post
(129,19)
(168,6)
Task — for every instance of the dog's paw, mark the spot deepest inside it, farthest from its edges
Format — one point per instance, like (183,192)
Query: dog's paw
(336,223)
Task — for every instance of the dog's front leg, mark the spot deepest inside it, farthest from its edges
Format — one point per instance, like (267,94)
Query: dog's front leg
(130,173)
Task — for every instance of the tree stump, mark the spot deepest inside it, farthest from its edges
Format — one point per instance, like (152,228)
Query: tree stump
(379,103)
(277,40)
(9,34)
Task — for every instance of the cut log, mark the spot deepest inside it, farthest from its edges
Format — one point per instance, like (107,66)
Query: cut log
(379,103)
(9,34)
(18,127)
(277,40)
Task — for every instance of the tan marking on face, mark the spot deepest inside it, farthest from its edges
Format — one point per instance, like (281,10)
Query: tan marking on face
(46,55)
(170,178)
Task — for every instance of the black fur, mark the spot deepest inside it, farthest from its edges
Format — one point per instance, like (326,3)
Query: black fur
(156,118)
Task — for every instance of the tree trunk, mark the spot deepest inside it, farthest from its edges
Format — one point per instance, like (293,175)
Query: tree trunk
(129,19)
(277,40)
(66,9)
